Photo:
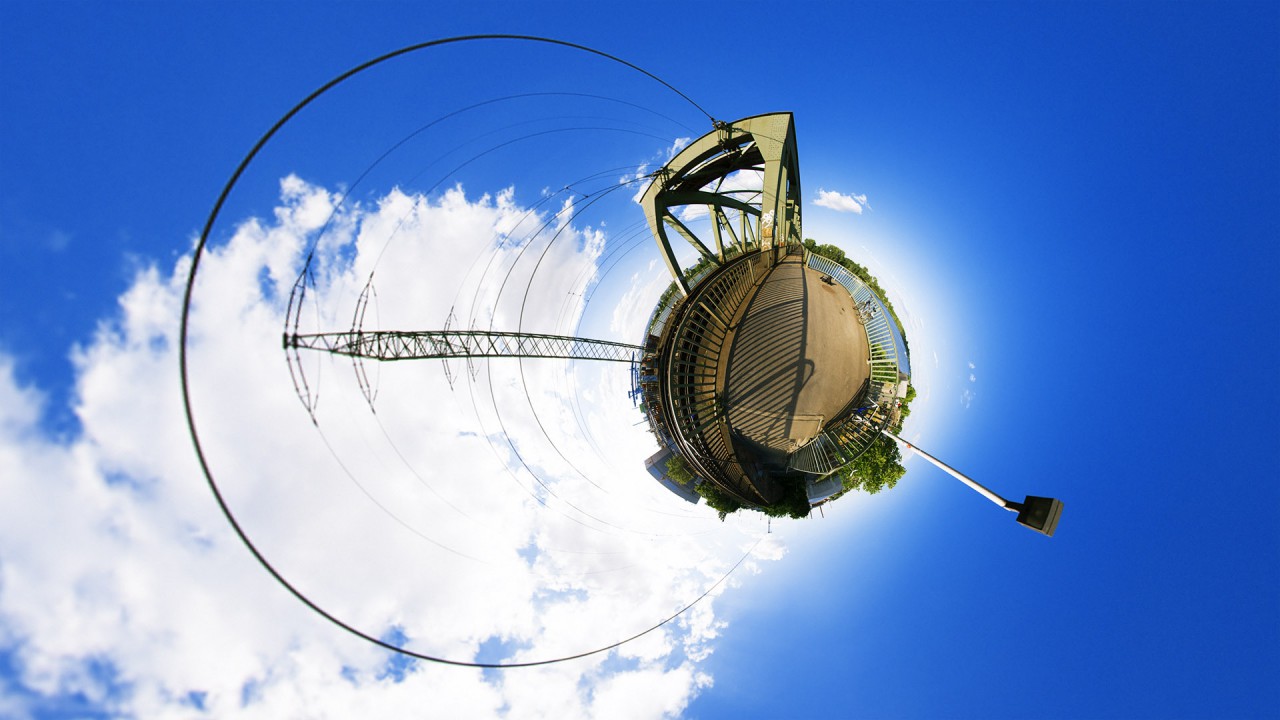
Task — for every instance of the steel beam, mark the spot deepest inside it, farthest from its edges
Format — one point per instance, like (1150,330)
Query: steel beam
(764,143)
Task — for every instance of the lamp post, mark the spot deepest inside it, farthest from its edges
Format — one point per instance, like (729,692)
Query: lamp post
(1038,513)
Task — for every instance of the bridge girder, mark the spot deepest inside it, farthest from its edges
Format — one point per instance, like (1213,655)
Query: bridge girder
(696,176)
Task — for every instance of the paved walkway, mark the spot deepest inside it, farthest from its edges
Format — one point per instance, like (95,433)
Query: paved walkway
(797,357)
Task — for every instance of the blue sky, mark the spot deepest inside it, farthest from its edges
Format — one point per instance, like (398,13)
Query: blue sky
(1075,204)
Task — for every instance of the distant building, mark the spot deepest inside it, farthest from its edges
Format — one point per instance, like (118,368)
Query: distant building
(821,490)
(657,467)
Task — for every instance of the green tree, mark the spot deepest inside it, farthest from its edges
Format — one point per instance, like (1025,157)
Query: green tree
(905,409)
(678,470)
(794,502)
(717,499)
(879,468)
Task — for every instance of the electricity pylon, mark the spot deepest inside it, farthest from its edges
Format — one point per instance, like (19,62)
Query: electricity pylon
(446,344)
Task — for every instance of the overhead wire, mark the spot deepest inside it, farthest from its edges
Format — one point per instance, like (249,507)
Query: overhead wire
(186,385)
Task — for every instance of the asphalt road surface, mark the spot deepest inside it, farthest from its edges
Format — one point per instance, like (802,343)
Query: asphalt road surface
(797,356)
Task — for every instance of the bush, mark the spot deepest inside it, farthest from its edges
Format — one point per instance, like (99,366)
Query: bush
(717,499)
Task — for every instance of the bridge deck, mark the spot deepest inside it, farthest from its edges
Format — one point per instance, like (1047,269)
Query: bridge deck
(797,357)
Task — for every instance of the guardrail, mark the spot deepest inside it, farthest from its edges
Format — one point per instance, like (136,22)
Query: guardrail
(658,319)
(696,343)
(881,330)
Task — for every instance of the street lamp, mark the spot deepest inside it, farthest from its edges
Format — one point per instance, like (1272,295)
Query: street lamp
(1038,513)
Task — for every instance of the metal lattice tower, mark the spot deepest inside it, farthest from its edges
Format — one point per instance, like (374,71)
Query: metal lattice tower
(443,345)
(447,344)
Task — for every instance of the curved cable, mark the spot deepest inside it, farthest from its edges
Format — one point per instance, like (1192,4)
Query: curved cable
(184,372)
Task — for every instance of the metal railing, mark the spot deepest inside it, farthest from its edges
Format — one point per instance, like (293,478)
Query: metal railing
(842,442)
(879,323)
(658,320)
(696,344)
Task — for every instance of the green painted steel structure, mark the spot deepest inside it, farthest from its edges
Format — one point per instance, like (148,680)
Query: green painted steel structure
(706,173)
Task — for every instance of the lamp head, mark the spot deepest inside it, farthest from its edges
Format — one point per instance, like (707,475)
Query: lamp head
(1040,514)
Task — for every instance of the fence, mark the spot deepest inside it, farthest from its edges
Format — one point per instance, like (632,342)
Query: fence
(661,313)
(697,343)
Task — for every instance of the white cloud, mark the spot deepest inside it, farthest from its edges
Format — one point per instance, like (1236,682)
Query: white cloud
(120,580)
(662,158)
(690,213)
(841,202)
(641,172)
(677,145)
(633,310)
(651,693)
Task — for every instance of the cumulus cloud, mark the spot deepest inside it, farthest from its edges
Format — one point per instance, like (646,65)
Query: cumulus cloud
(841,202)
(642,171)
(691,213)
(677,145)
(636,179)
(472,520)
